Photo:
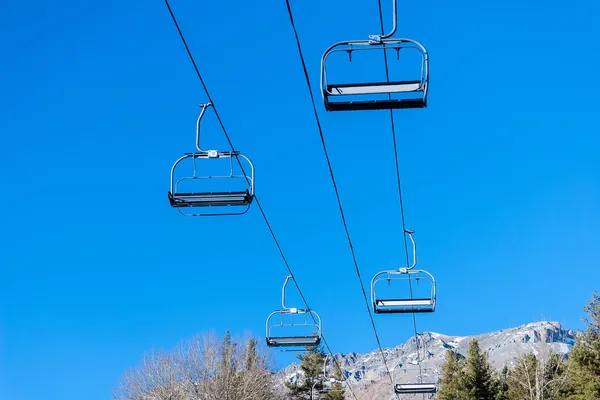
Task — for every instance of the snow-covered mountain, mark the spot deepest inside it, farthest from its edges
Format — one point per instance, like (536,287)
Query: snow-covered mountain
(370,380)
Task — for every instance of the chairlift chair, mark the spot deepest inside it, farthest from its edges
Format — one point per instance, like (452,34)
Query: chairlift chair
(404,304)
(326,381)
(218,202)
(415,388)
(325,375)
(402,94)
(293,342)
(327,386)
(415,378)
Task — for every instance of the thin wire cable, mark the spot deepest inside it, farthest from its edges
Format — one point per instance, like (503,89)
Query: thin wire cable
(401,203)
(337,194)
(262,212)
(387,76)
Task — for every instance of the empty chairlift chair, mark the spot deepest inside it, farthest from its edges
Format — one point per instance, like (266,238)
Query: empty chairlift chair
(283,332)
(403,301)
(326,386)
(415,377)
(191,190)
(325,383)
(408,92)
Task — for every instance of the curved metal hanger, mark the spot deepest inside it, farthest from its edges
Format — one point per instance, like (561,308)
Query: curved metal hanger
(287,279)
(204,107)
(414,246)
(377,39)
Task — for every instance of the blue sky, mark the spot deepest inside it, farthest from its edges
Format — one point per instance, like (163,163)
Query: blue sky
(500,174)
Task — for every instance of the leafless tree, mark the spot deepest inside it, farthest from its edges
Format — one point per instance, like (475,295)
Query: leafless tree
(159,377)
(203,368)
(539,376)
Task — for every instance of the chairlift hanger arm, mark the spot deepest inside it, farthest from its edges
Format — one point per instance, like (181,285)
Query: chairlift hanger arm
(312,389)
(209,153)
(325,376)
(325,366)
(376,39)
(204,107)
(421,347)
(414,245)
(287,279)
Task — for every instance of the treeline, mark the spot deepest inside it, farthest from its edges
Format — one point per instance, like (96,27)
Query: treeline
(212,368)
(209,368)
(543,376)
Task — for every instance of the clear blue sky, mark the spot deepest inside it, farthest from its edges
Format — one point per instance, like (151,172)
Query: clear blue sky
(501,177)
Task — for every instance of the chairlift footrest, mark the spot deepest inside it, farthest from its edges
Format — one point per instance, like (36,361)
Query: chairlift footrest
(375,105)
(403,310)
(209,199)
(293,341)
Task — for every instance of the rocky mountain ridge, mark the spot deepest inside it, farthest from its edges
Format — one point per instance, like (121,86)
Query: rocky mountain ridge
(369,378)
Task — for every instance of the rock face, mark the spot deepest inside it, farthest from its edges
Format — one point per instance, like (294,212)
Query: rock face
(369,378)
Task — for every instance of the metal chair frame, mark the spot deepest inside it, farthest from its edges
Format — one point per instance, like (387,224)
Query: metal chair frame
(376,42)
(325,381)
(428,387)
(294,342)
(241,201)
(403,305)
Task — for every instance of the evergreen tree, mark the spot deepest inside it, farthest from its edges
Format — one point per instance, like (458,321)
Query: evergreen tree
(251,357)
(477,380)
(227,367)
(336,390)
(501,380)
(311,364)
(450,385)
(584,371)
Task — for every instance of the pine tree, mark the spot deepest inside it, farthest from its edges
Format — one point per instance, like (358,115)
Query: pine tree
(336,391)
(501,380)
(451,377)
(584,371)
(311,364)
(227,368)
(477,380)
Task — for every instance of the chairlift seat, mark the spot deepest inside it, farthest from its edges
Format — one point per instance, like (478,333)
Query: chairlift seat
(415,388)
(348,89)
(208,199)
(393,306)
(375,87)
(281,341)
